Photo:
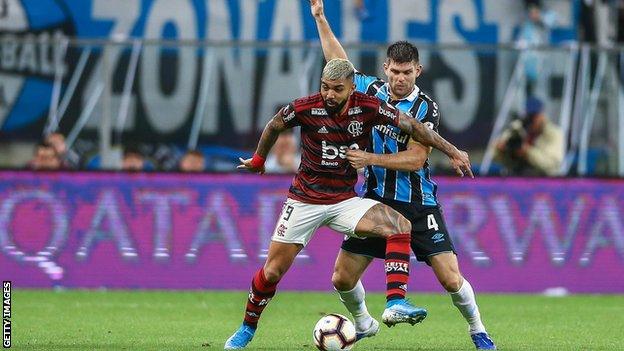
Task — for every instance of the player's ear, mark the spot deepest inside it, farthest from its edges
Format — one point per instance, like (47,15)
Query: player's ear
(419,69)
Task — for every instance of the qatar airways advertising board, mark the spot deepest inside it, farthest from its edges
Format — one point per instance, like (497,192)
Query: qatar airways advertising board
(176,231)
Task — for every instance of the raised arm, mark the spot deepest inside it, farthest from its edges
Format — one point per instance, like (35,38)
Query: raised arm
(419,132)
(330,44)
(269,135)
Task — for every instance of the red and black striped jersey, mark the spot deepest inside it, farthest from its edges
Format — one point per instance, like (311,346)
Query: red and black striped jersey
(325,176)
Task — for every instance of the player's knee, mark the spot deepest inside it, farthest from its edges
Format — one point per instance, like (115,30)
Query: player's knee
(342,281)
(451,282)
(273,274)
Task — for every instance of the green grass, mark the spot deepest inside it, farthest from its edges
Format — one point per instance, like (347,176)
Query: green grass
(162,320)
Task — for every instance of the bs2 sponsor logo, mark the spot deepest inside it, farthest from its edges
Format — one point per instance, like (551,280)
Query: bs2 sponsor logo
(331,152)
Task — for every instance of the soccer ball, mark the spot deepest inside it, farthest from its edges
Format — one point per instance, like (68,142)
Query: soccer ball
(334,332)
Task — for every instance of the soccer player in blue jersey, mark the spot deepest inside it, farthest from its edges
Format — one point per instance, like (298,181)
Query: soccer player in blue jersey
(397,174)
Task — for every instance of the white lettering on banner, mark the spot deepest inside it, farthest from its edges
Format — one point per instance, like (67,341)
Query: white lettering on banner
(283,84)
(507,226)
(169,110)
(237,66)
(609,221)
(60,228)
(462,107)
(399,18)
(109,215)
(541,217)
(465,215)
(163,218)
(30,53)
(123,14)
(218,214)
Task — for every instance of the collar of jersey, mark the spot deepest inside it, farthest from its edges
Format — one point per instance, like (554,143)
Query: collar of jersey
(411,97)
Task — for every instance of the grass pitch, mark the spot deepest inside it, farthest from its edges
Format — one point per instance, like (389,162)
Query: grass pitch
(164,320)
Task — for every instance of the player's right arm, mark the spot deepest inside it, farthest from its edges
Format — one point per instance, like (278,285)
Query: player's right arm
(269,135)
(330,44)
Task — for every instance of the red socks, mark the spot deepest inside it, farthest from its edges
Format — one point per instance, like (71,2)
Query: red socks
(397,265)
(260,294)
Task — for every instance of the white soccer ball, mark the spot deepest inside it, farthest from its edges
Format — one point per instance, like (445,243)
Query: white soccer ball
(334,332)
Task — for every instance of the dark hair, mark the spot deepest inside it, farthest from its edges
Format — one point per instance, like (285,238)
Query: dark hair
(402,52)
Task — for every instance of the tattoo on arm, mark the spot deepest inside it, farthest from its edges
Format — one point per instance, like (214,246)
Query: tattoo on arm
(424,135)
(269,135)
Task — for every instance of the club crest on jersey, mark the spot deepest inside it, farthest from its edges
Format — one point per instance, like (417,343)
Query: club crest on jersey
(355,128)
(318,112)
(355,111)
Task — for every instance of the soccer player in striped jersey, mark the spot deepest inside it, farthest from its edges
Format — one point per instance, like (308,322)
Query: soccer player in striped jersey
(333,121)
(398,175)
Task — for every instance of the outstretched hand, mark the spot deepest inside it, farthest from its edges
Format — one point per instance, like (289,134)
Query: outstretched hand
(246,165)
(316,7)
(461,163)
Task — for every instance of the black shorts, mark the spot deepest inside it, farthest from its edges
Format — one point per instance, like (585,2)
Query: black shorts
(429,234)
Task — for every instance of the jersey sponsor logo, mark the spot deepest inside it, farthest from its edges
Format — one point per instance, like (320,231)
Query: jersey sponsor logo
(435,109)
(318,112)
(330,152)
(290,116)
(354,111)
(323,130)
(397,267)
(392,133)
(389,112)
(437,237)
(355,128)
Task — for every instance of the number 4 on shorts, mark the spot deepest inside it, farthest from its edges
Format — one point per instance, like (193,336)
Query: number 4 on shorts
(431,222)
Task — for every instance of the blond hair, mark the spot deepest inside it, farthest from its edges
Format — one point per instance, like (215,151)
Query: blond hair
(338,69)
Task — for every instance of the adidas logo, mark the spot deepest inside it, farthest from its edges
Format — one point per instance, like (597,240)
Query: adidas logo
(323,130)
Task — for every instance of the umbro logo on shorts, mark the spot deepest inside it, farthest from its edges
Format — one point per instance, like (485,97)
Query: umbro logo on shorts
(323,130)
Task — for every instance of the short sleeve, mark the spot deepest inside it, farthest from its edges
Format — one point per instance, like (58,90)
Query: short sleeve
(363,82)
(289,115)
(428,113)
(387,114)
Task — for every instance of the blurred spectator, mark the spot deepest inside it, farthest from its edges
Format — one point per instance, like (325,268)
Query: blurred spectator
(45,158)
(192,161)
(132,160)
(284,157)
(69,159)
(534,32)
(531,145)
(360,10)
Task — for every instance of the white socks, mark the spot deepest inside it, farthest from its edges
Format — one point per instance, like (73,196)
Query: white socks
(464,300)
(354,302)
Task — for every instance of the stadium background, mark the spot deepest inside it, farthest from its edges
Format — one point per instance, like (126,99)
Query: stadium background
(210,73)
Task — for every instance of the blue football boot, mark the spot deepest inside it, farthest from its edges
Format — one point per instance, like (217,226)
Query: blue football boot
(240,338)
(402,311)
(482,341)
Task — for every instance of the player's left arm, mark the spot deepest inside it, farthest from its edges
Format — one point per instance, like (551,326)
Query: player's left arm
(412,159)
